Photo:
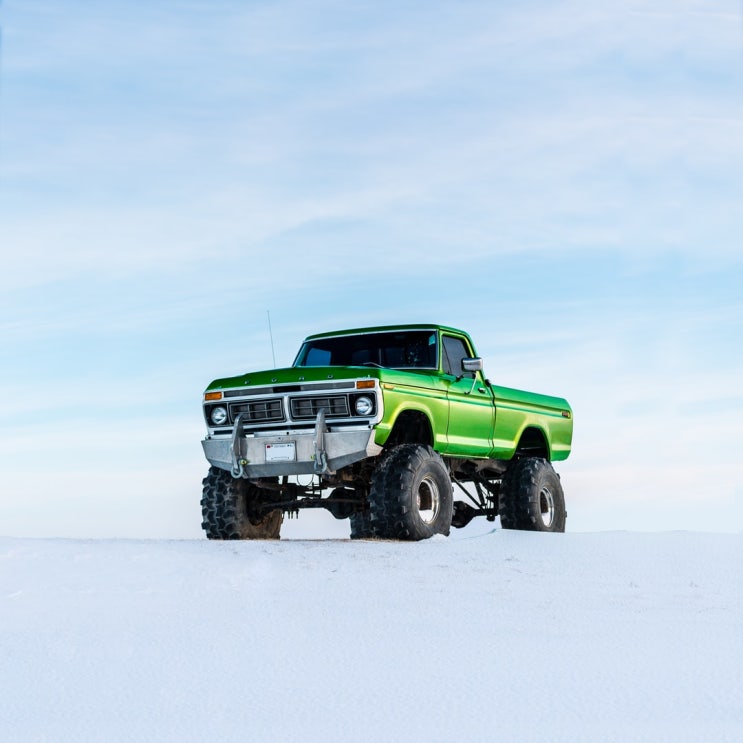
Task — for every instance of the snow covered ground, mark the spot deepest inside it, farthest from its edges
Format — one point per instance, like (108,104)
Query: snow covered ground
(508,636)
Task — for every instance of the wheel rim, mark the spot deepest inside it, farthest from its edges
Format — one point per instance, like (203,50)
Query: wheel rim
(547,506)
(429,500)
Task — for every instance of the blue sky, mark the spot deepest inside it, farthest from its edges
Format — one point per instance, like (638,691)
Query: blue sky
(561,179)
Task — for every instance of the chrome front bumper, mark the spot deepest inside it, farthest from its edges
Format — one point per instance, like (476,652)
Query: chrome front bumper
(314,452)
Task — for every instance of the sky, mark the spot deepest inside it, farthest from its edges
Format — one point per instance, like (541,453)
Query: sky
(561,179)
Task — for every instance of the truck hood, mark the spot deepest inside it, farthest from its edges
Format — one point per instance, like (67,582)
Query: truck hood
(301,374)
(292,375)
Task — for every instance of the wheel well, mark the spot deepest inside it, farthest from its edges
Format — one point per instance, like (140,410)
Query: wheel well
(533,444)
(411,427)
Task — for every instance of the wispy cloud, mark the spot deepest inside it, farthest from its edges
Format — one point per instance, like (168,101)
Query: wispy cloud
(564,180)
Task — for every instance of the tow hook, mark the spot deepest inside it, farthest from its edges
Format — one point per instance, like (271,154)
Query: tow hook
(238,462)
(321,460)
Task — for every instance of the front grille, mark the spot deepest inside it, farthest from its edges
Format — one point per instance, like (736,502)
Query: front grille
(309,407)
(260,411)
(246,392)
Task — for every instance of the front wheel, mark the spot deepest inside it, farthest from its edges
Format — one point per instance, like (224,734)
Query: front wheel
(361,527)
(231,509)
(411,495)
(531,497)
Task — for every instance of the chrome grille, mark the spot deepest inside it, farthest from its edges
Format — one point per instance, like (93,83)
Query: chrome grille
(335,406)
(259,411)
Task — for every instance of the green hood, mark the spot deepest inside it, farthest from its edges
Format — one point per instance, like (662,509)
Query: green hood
(293,375)
(299,374)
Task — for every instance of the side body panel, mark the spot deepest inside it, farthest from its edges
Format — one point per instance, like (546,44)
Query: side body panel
(516,410)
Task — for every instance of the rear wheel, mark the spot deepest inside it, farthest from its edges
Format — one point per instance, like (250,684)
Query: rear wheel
(231,508)
(531,497)
(411,494)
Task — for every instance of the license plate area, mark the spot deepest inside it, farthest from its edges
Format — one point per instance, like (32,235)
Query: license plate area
(284,452)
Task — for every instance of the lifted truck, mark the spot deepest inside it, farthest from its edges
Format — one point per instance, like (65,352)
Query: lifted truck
(391,418)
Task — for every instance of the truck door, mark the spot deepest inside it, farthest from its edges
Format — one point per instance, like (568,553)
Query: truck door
(471,405)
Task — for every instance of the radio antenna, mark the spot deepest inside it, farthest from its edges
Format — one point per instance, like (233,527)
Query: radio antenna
(270,333)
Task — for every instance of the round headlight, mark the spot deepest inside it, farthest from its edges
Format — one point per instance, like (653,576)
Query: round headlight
(219,416)
(364,405)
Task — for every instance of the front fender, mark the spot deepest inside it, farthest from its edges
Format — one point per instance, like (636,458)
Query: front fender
(399,399)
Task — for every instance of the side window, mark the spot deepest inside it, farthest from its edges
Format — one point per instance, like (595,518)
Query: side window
(454,351)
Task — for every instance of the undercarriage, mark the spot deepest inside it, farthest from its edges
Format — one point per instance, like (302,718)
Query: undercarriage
(349,491)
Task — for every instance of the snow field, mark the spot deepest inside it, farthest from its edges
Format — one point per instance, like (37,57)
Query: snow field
(505,636)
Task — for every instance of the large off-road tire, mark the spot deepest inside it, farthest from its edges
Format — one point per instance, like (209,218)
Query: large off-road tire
(229,507)
(361,527)
(531,497)
(411,494)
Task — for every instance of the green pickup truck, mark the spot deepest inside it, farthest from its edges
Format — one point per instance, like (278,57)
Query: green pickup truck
(389,420)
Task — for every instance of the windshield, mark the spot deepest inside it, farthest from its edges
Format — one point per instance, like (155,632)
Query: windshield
(404,349)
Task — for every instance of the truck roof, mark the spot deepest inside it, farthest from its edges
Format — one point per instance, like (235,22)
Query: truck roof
(387,328)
